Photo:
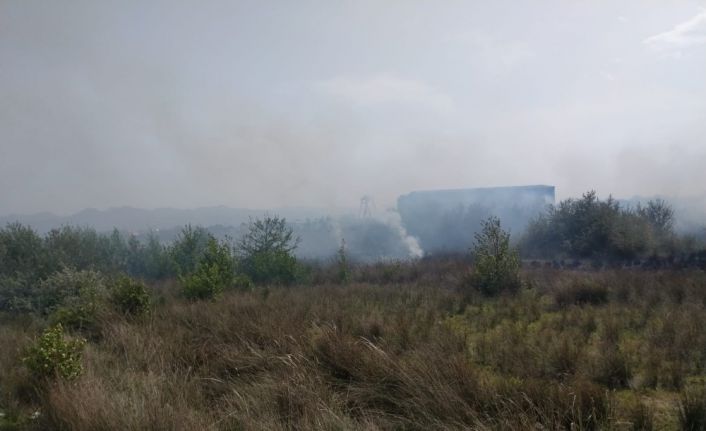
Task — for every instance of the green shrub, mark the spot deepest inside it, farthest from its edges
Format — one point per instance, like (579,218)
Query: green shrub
(600,230)
(214,272)
(274,267)
(73,298)
(496,264)
(203,284)
(130,296)
(53,355)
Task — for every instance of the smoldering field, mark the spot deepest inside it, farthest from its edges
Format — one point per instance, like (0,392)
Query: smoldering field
(417,311)
(398,347)
(601,329)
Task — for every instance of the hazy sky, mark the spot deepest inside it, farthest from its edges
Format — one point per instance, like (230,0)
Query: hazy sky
(270,103)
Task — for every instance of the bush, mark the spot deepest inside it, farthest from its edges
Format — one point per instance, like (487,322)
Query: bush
(55,356)
(130,296)
(274,267)
(214,272)
(496,264)
(72,298)
(600,229)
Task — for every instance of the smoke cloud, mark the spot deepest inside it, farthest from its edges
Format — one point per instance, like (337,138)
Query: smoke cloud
(269,104)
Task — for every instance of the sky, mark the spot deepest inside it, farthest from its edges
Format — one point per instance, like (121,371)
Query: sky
(261,104)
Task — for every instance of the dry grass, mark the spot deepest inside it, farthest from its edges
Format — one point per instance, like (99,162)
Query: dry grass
(399,348)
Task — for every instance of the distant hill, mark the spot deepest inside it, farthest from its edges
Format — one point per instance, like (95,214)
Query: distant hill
(140,220)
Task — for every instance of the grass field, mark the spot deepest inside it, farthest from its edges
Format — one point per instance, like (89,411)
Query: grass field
(401,346)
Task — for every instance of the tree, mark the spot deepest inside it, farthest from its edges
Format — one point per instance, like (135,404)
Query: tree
(22,252)
(591,228)
(659,214)
(269,234)
(496,264)
(187,249)
(214,272)
(267,251)
(344,274)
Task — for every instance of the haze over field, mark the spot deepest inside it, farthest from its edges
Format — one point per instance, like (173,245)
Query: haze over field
(271,104)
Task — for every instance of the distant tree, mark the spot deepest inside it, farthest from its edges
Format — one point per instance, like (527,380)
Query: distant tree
(268,234)
(659,214)
(187,249)
(344,274)
(119,251)
(151,259)
(591,228)
(22,252)
(266,251)
(496,263)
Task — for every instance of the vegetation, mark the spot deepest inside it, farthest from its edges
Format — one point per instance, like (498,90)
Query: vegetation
(54,356)
(188,248)
(602,230)
(413,344)
(130,296)
(266,251)
(214,272)
(342,264)
(72,298)
(402,346)
(496,265)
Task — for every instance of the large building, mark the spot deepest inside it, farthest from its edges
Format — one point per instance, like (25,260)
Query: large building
(445,220)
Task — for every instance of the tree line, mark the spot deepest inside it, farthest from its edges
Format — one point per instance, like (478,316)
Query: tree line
(203,264)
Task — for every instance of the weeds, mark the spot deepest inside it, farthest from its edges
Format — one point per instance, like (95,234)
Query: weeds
(396,353)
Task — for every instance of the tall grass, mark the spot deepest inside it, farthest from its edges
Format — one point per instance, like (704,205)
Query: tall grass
(398,347)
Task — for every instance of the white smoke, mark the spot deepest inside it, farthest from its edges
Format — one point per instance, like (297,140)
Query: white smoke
(392,218)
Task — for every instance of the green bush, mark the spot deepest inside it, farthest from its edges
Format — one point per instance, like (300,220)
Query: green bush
(53,355)
(214,272)
(274,267)
(72,298)
(496,264)
(600,229)
(130,296)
